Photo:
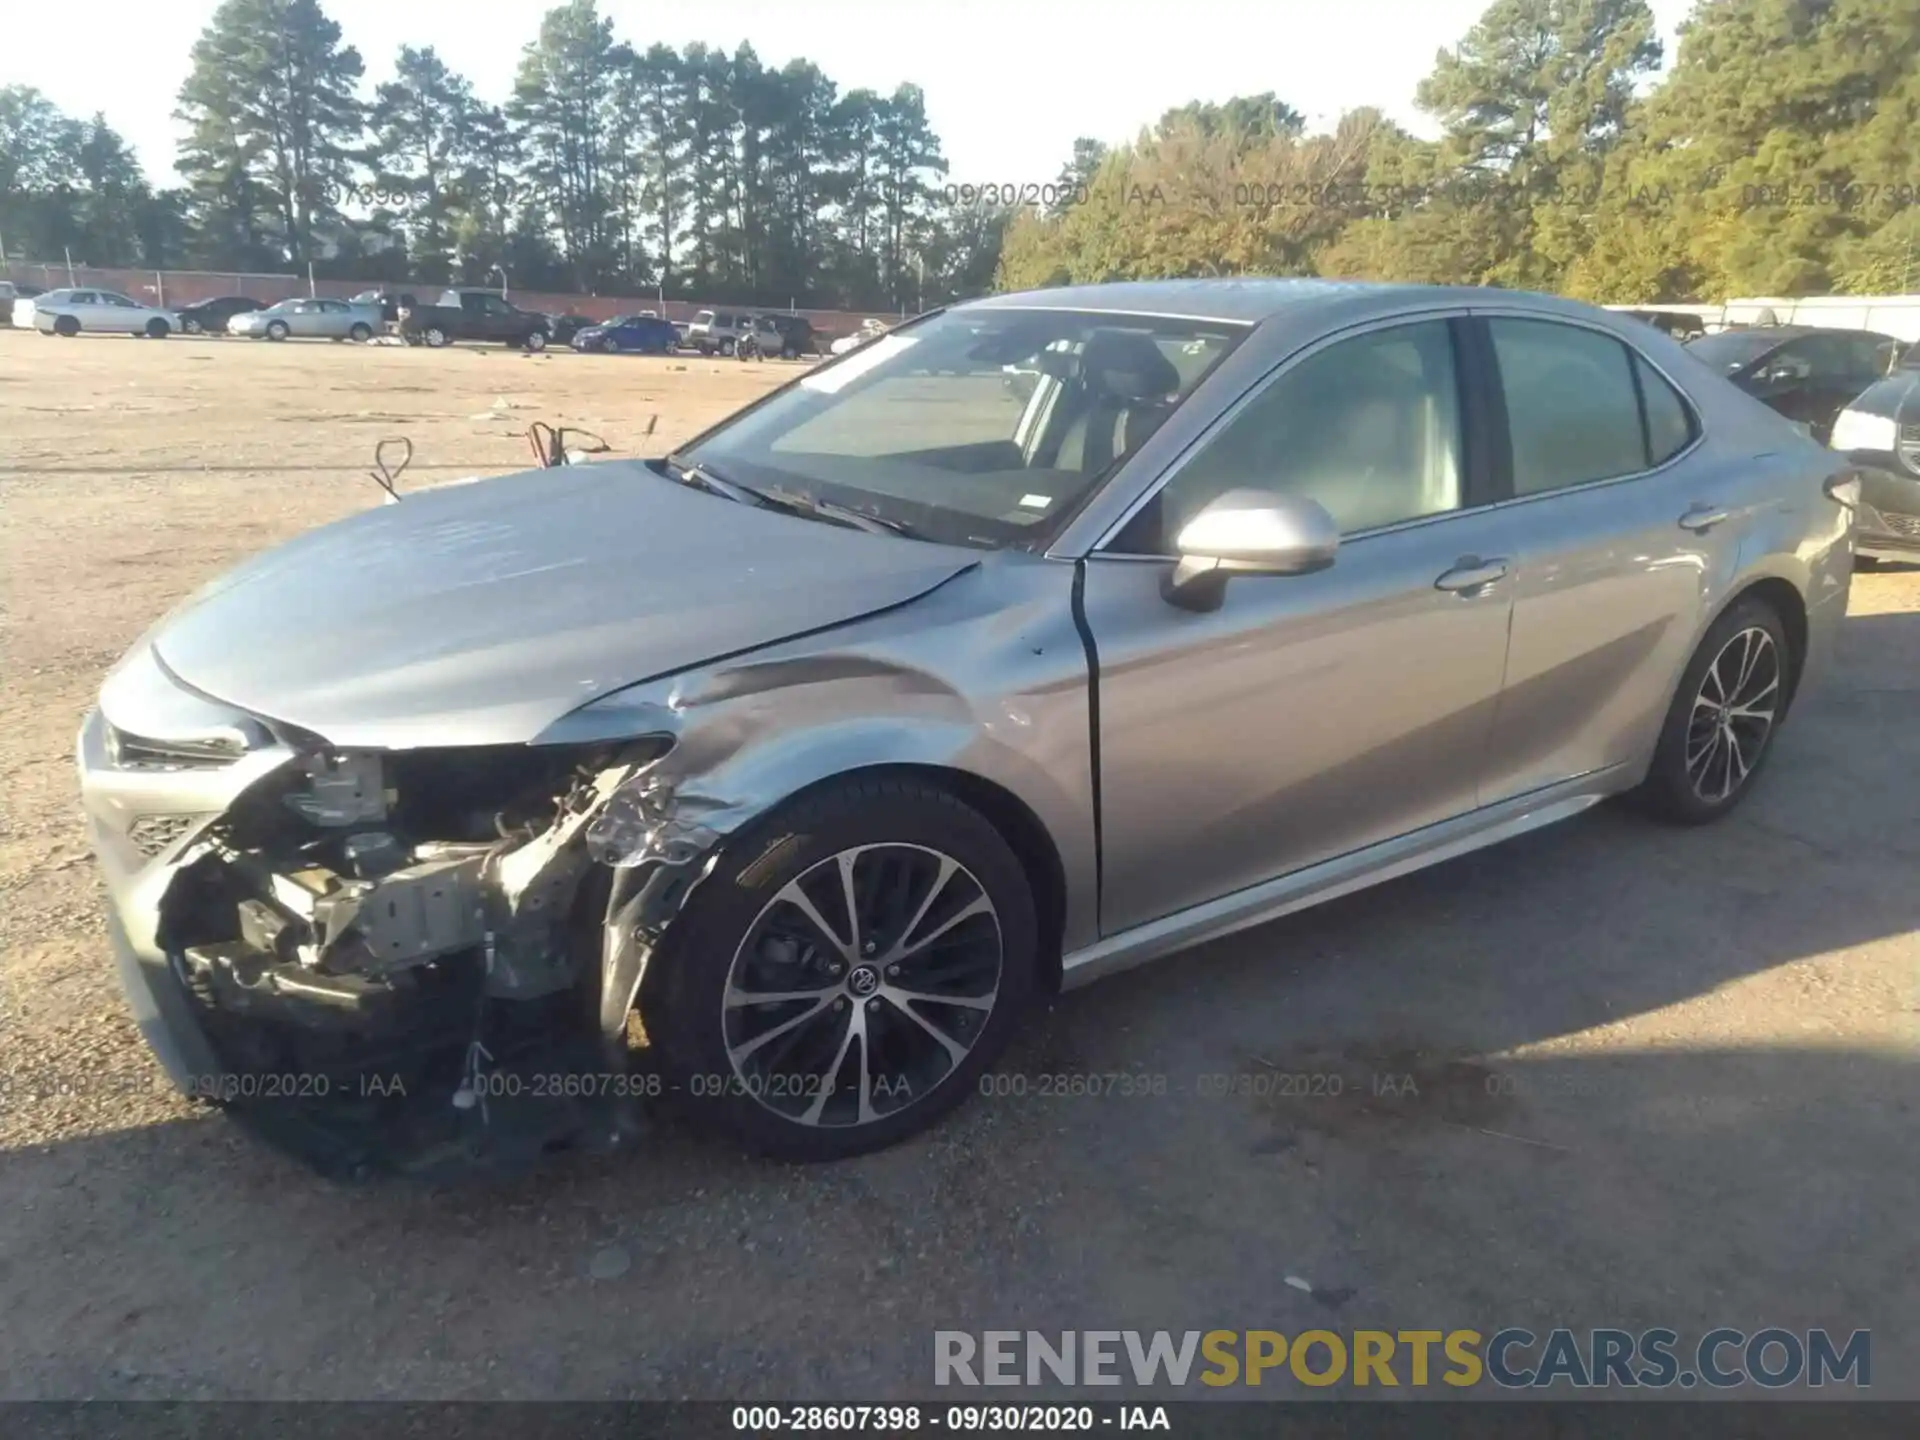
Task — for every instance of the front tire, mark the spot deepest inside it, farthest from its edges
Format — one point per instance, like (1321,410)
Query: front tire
(190,327)
(435,337)
(277,330)
(1719,730)
(847,972)
(536,341)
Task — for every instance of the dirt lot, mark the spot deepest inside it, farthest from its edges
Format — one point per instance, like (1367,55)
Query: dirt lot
(1664,1078)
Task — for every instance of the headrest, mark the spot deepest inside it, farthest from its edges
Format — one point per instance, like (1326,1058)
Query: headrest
(1128,366)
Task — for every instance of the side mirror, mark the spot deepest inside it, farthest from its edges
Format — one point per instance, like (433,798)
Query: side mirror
(1248,532)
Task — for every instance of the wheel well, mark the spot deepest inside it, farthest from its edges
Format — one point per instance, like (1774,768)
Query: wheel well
(1785,601)
(1025,835)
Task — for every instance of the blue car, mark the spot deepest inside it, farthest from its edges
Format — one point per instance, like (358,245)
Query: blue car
(638,334)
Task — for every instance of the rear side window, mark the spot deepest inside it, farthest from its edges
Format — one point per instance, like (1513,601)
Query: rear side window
(1573,410)
(1670,427)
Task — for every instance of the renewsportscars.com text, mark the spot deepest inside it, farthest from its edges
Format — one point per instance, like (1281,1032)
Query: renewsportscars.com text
(1513,1358)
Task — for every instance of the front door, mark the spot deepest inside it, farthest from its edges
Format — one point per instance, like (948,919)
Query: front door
(1309,716)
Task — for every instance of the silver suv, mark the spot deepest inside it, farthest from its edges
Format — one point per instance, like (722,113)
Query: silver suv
(718,332)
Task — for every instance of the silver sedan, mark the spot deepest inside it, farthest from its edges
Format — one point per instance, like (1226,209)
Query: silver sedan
(313,319)
(790,770)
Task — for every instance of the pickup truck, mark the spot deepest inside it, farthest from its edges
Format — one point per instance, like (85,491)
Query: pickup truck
(473,315)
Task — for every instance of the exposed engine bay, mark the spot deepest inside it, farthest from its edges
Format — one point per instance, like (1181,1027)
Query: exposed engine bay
(396,956)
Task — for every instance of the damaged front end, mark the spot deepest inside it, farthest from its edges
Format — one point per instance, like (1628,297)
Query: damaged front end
(394,958)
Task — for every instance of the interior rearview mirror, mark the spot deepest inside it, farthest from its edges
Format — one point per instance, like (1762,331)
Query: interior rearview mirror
(1248,532)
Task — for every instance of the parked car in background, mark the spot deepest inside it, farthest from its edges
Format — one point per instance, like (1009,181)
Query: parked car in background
(831,743)
(791,337)
(317,318)
(562,328)
(390,304)
(473,314)
(87,311)
(716,332)
(632,334)
(1880,432)
(211,316)
(1806,373)
(1680,327)
(11,291)
(869,330)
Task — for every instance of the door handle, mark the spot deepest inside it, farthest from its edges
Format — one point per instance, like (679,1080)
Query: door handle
(1470,572)
(1701,518)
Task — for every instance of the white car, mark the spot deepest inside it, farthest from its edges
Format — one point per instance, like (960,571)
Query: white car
(869,329)
(69,312)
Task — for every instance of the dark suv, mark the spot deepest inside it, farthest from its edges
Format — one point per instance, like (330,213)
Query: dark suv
(791,337)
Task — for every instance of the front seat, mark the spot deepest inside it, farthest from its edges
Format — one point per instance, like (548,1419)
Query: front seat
(1127,388)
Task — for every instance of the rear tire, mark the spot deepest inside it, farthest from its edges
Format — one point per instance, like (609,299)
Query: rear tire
(943,908)
(1713,743)
(66,327)
(360,334)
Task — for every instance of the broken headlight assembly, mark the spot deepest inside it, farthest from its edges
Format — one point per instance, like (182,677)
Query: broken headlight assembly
(406,911)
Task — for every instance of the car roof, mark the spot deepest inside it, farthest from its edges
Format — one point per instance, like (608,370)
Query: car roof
(1252,301)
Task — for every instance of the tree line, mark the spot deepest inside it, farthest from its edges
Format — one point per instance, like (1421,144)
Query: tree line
(608,168)
(1779,155)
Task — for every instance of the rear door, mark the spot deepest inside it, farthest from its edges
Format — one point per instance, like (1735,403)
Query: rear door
(1313,715)
(1624,532)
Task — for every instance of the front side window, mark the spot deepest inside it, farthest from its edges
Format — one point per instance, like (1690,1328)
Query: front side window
(923,427)
(1573,411)
(1369,427)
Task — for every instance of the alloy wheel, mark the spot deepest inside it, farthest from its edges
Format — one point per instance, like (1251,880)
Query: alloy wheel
(1733,715)
(861,985)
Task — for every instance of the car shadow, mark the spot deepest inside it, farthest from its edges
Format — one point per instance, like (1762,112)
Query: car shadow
(1609,1074)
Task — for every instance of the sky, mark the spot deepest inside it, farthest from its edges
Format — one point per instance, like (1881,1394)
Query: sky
(1009,83)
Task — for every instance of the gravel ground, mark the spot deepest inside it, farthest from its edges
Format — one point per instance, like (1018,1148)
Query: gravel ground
(1663,1078)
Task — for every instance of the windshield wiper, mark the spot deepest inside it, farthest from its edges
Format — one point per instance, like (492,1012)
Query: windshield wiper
(801,503)
(704,477)
(794,502)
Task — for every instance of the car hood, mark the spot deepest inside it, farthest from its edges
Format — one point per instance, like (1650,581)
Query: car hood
(483,611)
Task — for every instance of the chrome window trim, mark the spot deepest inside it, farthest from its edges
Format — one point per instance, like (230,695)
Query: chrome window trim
(1255,391)
(1098,549)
